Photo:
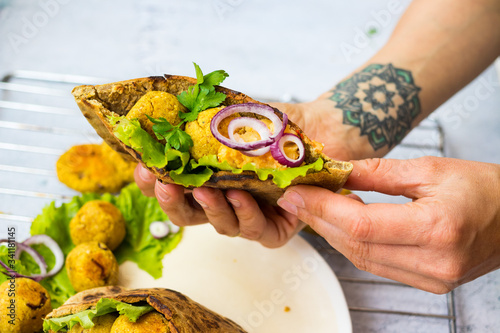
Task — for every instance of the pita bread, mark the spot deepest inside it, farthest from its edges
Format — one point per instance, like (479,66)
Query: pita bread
(182,313)
(98,102)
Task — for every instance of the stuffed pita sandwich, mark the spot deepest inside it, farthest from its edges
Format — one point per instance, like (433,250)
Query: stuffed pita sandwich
(115,310)
(193,132)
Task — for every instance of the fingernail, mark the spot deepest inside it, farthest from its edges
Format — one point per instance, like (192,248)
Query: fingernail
(287,206)
(234,202)
(145,174)
(162,193)
(202,204)
(294,198)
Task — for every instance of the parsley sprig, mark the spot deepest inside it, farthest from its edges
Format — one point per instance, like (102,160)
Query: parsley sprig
(174,136)
(202,95)
(197,98)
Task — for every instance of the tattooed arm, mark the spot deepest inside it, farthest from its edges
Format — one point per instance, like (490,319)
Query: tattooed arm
(437,48)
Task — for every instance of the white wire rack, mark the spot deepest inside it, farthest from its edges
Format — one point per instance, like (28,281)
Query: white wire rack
(39,121)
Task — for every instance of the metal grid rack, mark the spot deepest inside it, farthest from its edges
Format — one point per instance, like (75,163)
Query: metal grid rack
(39,121)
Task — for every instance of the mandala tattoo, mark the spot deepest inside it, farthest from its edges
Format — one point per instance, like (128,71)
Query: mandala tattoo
(379,88)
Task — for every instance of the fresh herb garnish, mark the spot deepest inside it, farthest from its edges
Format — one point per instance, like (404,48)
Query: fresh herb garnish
(174,136)
(197,98)
(202,95)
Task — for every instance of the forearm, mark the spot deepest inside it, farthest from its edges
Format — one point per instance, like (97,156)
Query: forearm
(435,50)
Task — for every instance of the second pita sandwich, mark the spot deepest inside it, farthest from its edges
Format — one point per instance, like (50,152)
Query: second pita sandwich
(117,310)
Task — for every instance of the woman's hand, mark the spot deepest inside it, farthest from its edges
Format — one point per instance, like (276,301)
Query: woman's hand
(448,235)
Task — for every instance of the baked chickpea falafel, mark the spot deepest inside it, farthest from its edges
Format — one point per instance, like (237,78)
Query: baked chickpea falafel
(156,104)
(23,305)
(90,265)
(102,324)
(151,322)
(98,220)
(94,168)
(204,143)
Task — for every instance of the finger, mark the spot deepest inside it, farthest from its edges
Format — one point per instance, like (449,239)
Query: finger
(145,180)
(395,177)
(217,210)
(413,279)
(252,222)
(270,226)
(379,259)
(428,263)
(354,196)
(176,205)
(378,223)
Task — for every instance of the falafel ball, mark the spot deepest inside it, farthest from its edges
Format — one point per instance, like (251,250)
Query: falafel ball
(23,305)
(90,265)
(94,168)
(204,143)
(151,322)
(98,220)
(102,324)
(156,104)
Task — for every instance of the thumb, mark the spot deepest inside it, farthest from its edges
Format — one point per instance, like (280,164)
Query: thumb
(389,176)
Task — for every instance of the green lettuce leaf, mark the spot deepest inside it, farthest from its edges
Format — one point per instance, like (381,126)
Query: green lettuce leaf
(154,153)
(282,178)
(130,133)
(103,306)
(195,177)
(138,211)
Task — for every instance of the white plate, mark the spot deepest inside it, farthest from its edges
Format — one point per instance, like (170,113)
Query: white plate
(252,285)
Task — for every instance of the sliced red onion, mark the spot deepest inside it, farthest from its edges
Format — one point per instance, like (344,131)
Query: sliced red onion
(11,273)
(158,229)
(278,152)
(21,247)
(259,109)
(257,125)
(256,152)
(53,246)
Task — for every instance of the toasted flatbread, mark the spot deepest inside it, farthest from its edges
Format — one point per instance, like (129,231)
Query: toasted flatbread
(182,313)
(98,102)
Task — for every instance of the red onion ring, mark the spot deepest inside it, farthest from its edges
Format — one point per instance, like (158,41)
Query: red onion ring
(21,247)
(256,125)
(278,152)
(10,273)
(53,246)
(25,246)
(259,109)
